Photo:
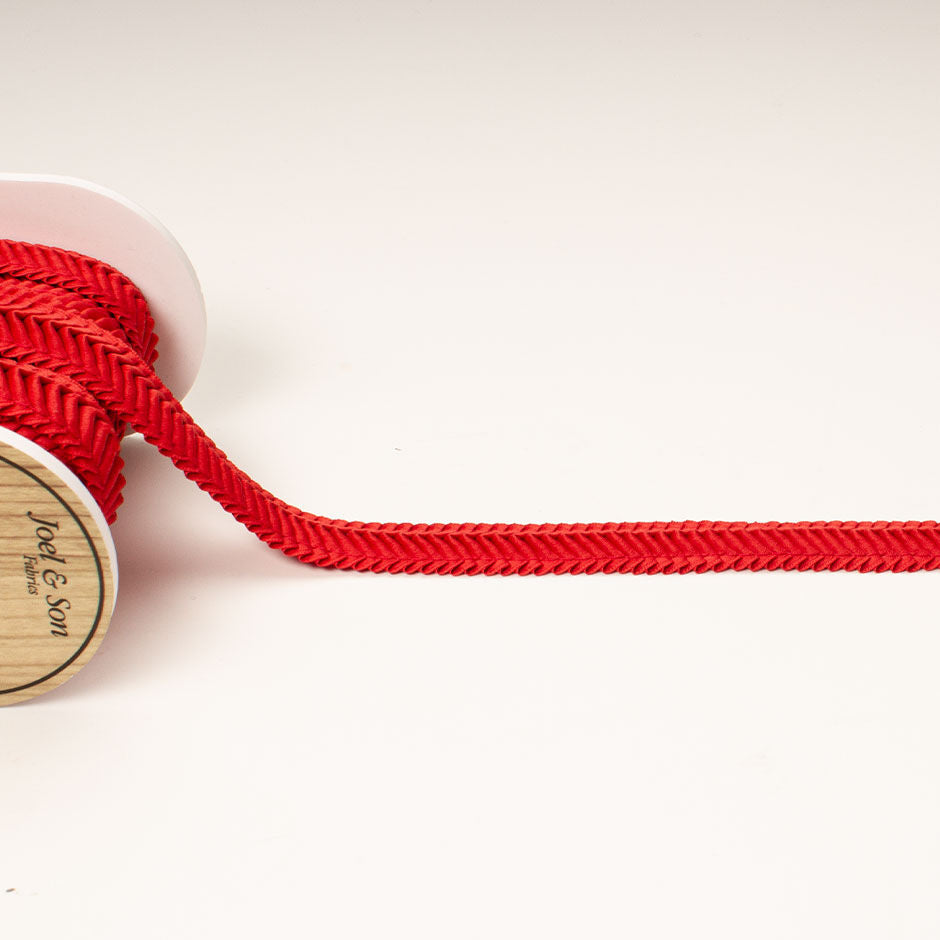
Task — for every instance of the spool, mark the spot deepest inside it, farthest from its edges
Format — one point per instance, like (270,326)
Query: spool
(58,566)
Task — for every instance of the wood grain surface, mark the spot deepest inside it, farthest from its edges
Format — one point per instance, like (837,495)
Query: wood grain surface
(56,586)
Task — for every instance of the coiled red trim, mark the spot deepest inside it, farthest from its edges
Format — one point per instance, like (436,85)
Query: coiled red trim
(77,346)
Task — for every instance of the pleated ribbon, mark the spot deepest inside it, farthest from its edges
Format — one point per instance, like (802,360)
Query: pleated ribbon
(77,348)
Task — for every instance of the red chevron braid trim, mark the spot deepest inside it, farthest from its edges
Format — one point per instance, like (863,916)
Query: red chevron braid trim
(76,352)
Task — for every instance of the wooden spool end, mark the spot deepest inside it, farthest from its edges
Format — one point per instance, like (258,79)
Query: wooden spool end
(58,571)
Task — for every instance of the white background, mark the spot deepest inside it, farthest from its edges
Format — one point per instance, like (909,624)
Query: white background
(505,261)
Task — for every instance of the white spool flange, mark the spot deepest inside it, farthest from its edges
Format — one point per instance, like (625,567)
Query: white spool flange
(53,614)
(68,213)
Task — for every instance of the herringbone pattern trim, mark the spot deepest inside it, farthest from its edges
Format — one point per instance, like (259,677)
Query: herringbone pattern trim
(76,349)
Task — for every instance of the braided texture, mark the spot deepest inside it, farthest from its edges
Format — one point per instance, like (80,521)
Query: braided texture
(77,348)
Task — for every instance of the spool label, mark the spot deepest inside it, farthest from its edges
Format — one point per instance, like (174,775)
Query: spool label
(56,590)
